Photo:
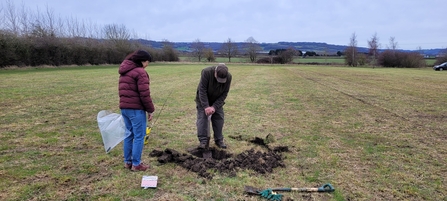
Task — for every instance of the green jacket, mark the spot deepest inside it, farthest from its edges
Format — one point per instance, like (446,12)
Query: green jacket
(210,92)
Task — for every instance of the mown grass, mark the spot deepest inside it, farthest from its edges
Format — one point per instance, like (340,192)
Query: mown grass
(374,134)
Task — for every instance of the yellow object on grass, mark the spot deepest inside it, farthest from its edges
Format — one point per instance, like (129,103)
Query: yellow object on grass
(146,138)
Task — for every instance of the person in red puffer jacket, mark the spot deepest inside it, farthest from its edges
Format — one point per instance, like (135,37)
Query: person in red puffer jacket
(135,102)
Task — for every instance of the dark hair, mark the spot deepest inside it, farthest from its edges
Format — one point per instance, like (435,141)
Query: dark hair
(139,56)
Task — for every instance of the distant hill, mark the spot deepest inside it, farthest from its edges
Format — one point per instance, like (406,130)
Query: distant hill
(303,46)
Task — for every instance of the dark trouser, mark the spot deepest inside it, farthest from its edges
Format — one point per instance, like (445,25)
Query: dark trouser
(217,120)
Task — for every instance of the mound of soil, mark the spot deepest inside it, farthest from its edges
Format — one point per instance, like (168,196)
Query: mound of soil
(223,162)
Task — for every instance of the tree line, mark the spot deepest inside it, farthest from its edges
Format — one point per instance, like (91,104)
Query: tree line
(391,57)
(40,38)
(249,49)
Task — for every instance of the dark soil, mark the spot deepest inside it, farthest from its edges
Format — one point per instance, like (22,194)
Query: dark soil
(222,161)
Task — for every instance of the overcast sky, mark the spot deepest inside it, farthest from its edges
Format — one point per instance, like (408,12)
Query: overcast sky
(413,23)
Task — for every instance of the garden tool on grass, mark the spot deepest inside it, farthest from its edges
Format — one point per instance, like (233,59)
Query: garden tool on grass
(149,128)
(207,152)
(148,132)
(271,194)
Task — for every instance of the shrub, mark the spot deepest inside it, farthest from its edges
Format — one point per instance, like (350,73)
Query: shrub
(170,54)
(50,50)
(412,60)
(268,60)
(362,59)
(392,58)
(264,60)
(442,58)
(287,55)
(351,56)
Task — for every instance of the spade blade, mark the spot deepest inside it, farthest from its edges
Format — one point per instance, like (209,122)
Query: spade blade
(207,154)
(252,190)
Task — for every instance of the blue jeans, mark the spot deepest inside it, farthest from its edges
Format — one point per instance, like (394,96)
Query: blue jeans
(136,123)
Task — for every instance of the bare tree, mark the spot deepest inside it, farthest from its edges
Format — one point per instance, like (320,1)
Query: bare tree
(24,20)
(44,23)
(41,25)
(11,18)
(61,27)
(95,31)
(2,18)
(69,26)
(116,32)
(351,52)
(50,20)
(252,48)
(119,36)
(92,30)
(83,29)
(229,49)
(393,43)
(76,28)
(198,49)
(374,48)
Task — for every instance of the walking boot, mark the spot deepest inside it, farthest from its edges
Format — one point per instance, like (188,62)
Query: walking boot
(221,144)
(140,167)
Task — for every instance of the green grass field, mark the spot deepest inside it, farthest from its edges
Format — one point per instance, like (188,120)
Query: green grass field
(374,134)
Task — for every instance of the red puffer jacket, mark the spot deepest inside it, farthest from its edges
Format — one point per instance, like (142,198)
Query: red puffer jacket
(133,87)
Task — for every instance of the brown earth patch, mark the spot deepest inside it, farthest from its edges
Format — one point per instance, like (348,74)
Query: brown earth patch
(222,161)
